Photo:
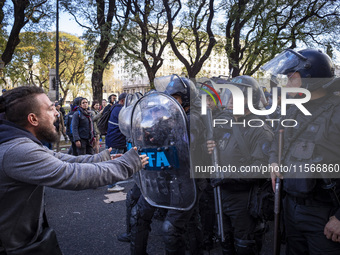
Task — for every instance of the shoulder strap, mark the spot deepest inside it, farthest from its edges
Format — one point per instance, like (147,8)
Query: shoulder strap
(110,110)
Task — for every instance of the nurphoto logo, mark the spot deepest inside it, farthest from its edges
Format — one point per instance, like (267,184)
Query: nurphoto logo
(239,100)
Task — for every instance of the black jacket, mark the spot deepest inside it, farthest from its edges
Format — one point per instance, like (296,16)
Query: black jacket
(81,127)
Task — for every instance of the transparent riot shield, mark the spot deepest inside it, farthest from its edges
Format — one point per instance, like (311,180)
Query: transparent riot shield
(124,118)
(159,129)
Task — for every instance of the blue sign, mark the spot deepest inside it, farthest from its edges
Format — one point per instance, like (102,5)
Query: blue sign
(163,158)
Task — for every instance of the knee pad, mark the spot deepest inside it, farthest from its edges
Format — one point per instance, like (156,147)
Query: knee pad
(174,243)
(170,234)
(245,247)
(168,228)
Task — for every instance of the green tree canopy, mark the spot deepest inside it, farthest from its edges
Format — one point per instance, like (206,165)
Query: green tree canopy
(31,61)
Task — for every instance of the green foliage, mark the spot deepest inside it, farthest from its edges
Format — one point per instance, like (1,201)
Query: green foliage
(31,60)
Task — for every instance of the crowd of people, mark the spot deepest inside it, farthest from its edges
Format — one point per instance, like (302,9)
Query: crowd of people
(168,143)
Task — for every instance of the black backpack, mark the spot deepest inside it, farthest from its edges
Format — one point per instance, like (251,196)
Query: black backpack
(104,121)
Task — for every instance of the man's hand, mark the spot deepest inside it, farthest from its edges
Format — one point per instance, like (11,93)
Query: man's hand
(210,146)
(78,144)
(332,229)
(274,174)
(143,158)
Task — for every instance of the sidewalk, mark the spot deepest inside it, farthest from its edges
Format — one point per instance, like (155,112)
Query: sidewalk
(64,146)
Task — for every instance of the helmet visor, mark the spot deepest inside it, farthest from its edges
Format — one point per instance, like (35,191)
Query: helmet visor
(170,84)
(284,63)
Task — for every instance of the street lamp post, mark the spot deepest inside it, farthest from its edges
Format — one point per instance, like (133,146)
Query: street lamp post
(57,53)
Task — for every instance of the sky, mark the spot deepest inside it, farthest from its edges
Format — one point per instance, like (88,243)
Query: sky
(68,24)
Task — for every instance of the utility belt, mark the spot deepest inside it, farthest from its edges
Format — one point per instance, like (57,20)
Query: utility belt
(310,202)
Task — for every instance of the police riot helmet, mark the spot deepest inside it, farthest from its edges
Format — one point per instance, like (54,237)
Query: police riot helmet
(315,67)
(244,82)
(207,86)
(221,79)
(182,87)
(176,85)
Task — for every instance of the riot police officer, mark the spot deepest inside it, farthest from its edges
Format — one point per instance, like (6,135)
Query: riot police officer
(240,146)
(177,221)
(185,92)
(311,205)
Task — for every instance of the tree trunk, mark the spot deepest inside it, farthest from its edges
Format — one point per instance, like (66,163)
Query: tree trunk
(151,76)
(234,66)
(19,23)
(97,83)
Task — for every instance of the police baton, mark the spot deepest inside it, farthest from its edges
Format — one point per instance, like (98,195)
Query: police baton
(217,190)
(277,203)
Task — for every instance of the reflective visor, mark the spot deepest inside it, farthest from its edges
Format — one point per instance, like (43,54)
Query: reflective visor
(170,84)
(286,62)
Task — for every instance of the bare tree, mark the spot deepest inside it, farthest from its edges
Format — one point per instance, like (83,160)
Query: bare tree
(105,24)
(193,40)
(146,39)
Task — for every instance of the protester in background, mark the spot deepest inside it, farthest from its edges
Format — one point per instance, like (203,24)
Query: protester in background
(68,123)
(112,100)
(26,167)
(96,114)
(104,104)
(71,105)
(114,138)
(83,129)
(59,125)
(61,109)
